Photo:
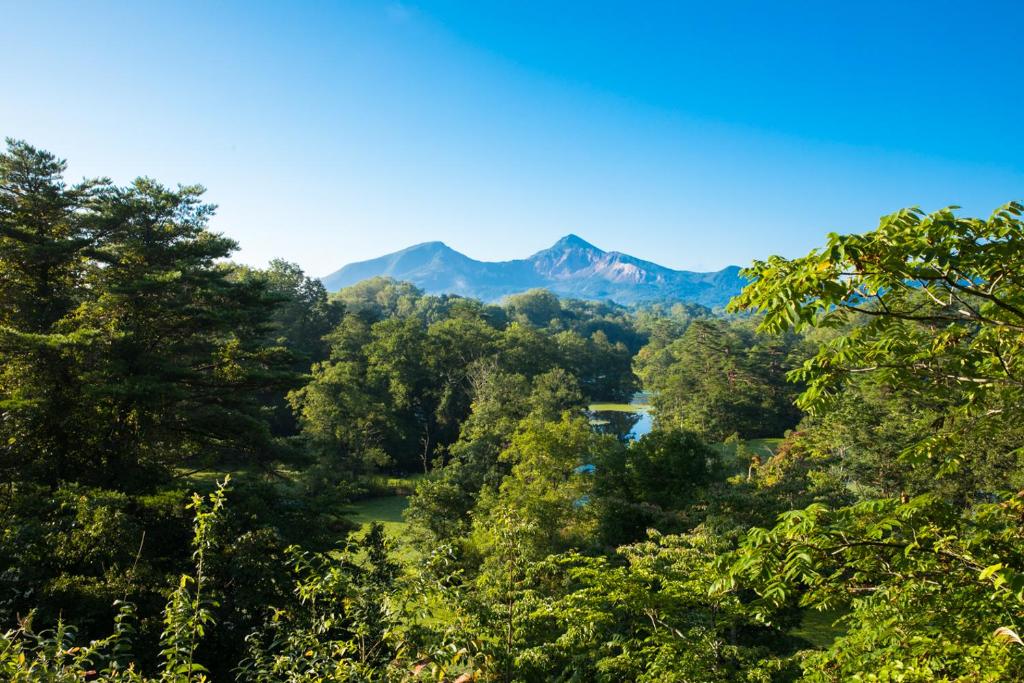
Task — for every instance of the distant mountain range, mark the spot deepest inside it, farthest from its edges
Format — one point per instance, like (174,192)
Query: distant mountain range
(572,267)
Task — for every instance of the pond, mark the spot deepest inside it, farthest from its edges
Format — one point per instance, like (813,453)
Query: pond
(625,420)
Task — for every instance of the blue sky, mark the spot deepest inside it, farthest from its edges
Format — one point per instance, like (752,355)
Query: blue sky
(694,135)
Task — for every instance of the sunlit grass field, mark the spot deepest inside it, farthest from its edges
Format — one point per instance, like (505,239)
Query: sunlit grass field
(387,510)
(618,407)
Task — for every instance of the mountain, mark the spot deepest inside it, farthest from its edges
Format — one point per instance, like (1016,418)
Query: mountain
(572,267)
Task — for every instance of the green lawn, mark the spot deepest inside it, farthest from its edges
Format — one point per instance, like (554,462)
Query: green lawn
(619,407)
(818,628)
(382,485)
(388,511)
(204,481)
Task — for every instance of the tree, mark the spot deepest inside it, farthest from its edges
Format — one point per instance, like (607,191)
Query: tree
(942,304)
(186,356)
(342,413)
(440,509)
(717,380)
(545,490)
(455,346)
(381,297)
(931,307)
(304,314)
(652,484)
(129,353)
(604,369)
(302,317)
(650,612)
(127,348)
(537,307)
(47,232)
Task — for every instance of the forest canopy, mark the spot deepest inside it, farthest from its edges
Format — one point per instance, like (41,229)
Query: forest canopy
(830,488)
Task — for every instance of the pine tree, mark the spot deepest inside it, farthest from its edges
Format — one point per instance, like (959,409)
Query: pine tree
(46,234)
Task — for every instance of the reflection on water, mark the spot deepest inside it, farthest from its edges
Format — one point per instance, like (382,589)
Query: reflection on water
(642,426)
(622,424)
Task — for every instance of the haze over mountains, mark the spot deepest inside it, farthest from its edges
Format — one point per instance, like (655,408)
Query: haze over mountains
(572,267)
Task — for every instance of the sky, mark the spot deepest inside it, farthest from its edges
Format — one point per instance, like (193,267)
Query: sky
(695,135)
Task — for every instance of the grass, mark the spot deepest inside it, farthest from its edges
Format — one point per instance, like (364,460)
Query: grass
(619,407)
(818,628)
(381,486)
(388,511)
(385,509)
(764,448)
(207,479)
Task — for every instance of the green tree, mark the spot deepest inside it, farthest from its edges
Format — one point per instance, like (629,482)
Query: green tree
(537,307)
(932,308)
(652,483)
(650,612)
(942,305)
(303,314)
(302,317)
(440,510)
(186,355)
(545,488)
(47,232)
(717,380)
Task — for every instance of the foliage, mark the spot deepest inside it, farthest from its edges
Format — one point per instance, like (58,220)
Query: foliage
(30,655)
(926,594)
(345,624)
(544,491)
(137,364)
(719,379)
(928,308)
(127,349)
(653,617)
(942,307)
(655,482)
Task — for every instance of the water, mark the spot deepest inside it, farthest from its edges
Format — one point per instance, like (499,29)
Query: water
(643,424)
(626,425)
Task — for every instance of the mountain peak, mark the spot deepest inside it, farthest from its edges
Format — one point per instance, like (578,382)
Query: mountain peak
(571,267)
(573,241)
(430,246)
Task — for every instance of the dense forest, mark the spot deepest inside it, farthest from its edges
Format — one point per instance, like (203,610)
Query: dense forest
(832,488)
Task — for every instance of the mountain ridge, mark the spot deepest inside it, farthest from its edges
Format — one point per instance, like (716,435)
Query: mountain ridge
(571,267)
